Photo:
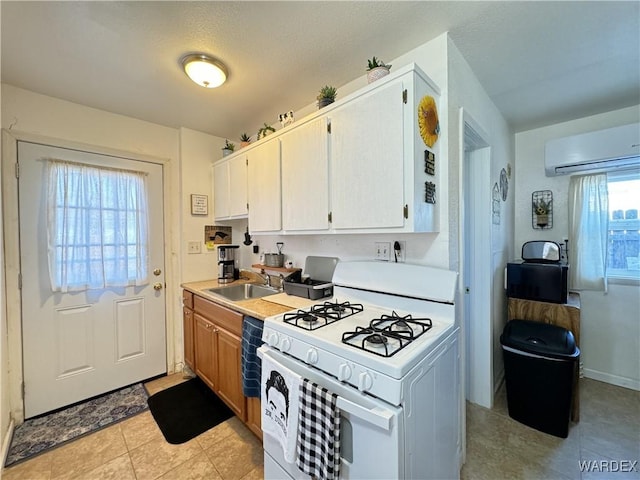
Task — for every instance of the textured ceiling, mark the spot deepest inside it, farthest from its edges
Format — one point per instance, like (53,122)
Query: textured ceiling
(540,62)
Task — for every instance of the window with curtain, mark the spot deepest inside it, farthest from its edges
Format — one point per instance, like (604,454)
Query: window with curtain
(588,230)
(97,227)
(624,224)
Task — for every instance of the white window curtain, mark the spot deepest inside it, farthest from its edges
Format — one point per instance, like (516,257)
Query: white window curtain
(588,226)
(97,227)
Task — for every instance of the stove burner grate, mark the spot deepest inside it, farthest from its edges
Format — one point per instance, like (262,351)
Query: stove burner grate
(378,342)
(321,315)
(387,335)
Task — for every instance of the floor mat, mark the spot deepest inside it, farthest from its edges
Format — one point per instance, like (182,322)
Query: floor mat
(39,434)
(186,410)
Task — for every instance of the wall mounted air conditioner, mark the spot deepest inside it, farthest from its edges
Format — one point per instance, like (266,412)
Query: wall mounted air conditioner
(615,147)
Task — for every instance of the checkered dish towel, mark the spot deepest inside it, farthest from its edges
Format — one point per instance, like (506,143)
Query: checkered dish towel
(318,432)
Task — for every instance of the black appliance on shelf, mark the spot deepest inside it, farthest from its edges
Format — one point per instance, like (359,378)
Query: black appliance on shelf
(541,276)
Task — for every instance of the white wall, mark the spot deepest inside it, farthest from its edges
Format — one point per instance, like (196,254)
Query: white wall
(610,325)
(465,91)
(197,153)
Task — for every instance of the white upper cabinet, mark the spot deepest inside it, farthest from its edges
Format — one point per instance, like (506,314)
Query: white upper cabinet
(305,177)
(367,160)
(265,206)
(230,188)
(356,166)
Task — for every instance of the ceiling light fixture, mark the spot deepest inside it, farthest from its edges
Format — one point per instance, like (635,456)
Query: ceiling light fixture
(204,70)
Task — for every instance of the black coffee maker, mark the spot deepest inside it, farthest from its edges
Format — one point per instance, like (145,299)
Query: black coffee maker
(226,263)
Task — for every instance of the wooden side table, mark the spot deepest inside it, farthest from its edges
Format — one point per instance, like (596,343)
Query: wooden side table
(565,315)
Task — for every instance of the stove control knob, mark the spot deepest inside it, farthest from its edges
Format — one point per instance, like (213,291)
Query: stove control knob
(344,372)
(365,381)
(312,356)
(272,339)
(286,344)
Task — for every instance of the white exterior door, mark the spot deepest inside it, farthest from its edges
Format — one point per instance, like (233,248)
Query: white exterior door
(80,344)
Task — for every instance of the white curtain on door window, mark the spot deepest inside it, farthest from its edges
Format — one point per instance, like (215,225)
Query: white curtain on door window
(97,227)
(588,226)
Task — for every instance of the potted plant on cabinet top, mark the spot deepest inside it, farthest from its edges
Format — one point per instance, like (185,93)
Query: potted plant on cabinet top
(376,69)
(244,140)
(265,130)
(326,96)
(228,148)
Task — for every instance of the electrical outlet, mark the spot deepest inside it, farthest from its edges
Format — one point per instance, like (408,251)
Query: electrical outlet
(382,251)
(400,255)
(193,247)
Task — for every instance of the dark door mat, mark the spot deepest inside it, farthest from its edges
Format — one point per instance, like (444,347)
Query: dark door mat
(186,410)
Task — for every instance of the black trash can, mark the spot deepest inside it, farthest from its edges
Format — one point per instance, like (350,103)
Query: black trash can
(540,361)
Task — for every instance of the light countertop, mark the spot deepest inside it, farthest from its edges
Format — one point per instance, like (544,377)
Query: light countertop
(259,308)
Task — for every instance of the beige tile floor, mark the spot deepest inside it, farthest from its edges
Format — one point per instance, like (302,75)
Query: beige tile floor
(497,446)
(135,449)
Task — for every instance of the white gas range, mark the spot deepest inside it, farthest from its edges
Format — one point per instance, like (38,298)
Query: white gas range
(386,344)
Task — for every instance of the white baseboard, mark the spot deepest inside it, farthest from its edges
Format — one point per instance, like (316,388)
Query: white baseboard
(6,443)
(625,382)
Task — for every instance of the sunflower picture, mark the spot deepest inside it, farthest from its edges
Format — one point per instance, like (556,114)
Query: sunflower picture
(428,120)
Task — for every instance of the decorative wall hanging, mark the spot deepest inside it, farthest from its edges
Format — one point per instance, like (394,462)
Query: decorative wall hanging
(542,210)
(428,120)
(217,235)
(429,162)
(430,192)
(504,184)
(495,204)
(199,204)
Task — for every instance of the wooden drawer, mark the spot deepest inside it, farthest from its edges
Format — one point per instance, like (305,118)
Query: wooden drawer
(187,299)
(223,317)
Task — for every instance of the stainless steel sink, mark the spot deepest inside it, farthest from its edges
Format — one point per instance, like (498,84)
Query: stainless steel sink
(243,292)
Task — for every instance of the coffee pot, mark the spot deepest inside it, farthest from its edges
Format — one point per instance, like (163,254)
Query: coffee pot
(226,263)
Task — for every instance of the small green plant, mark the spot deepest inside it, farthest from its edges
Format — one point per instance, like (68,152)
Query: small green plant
(374,63)
(327,92)
(228,145)
(245,138)
(265,130)
(541,207)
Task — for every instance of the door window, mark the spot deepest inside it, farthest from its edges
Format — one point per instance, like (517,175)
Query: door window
(97,227)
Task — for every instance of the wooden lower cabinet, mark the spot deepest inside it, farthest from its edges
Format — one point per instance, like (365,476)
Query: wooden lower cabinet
(230,373)
(254,421)
(187,332)
(205,350)
(218,351)
(213,350)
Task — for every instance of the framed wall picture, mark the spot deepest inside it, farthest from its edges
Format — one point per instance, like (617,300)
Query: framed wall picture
(199,204)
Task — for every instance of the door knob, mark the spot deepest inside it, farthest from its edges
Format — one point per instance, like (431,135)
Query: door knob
(157,286)
(157,272)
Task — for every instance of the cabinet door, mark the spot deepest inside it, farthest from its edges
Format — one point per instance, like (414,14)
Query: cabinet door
(305,177)
(265,212)
(229,386)
(254,418)
(238,186)
(221,190)
(205,350)
(187,331)
(367,158)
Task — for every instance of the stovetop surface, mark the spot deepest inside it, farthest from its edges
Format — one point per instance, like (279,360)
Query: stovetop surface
(329,337)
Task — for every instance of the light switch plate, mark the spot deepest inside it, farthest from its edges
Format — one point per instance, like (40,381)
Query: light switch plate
(382,251)
(193,247)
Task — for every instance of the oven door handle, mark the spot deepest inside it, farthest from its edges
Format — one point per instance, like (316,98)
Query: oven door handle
(377,416)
